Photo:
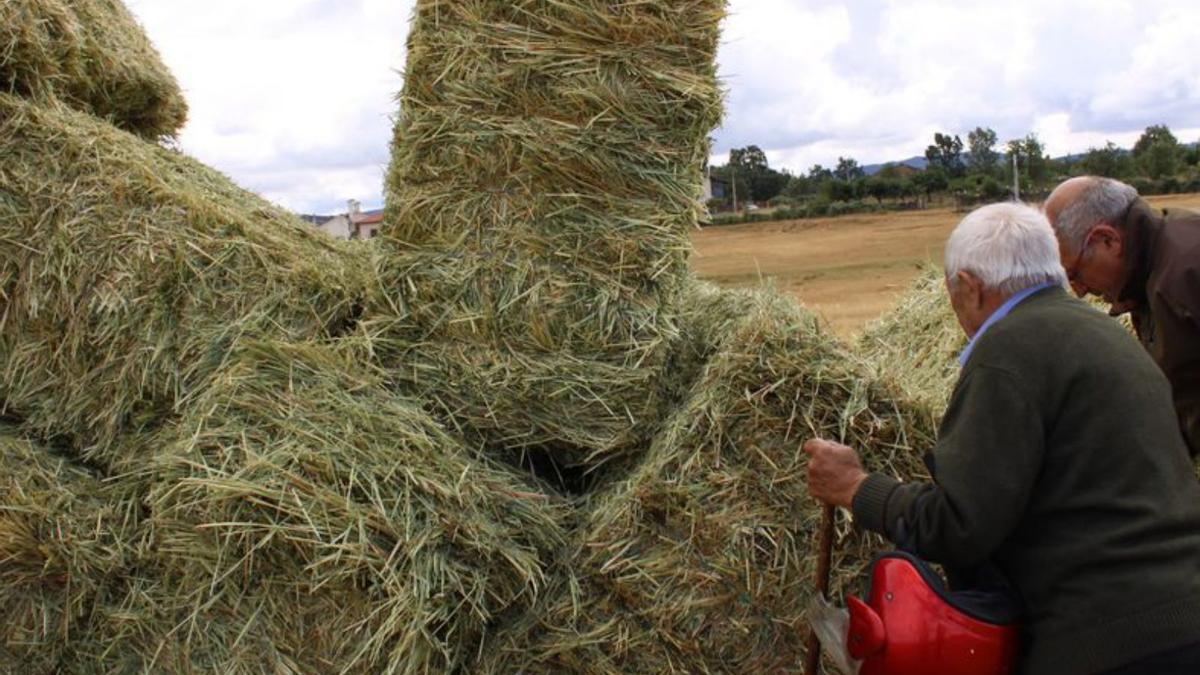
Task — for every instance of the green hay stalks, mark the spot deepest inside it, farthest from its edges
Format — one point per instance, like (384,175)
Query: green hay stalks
(128,271)
(915,345)
(543,185)
(298,483)
(62,539)
(93,55)
(288,488)
(702,560)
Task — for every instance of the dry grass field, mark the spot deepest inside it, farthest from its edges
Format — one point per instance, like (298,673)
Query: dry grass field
(849,269)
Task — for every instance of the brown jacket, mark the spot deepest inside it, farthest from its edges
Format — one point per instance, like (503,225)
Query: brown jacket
(1163,294)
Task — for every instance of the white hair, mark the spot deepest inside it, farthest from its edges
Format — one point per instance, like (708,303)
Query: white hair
(1102,200)
(1009,246)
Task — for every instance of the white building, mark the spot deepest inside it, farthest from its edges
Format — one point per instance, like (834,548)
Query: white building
(354,224)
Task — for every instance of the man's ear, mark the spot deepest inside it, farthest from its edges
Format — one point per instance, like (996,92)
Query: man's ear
(970,287)
(1107,237)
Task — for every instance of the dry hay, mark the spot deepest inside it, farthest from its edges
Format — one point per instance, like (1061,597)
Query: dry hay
(127,271)
(278,502)
(325,505)
(62,539)
(916,344)
(701,561)
(303,518)
(544,181)
(93,55)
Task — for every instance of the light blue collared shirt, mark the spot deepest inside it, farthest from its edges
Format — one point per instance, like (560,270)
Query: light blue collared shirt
(1000,313)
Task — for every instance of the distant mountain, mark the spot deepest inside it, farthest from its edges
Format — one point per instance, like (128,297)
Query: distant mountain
(922,163)
(915,162)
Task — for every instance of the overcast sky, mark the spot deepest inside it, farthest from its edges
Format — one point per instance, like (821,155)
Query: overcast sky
(293,98)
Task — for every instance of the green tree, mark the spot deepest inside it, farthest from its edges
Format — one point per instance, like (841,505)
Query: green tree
(1158,152)
(750,158)
(819,174)
(881,187)
(979,187)
(1109,161)
(767,185)
(762,183)
(847,169)
(931,180)
(838,190)
(946,153)
(798,187)
(1032,159)
(1191,155)
(982,145)
(1153,135)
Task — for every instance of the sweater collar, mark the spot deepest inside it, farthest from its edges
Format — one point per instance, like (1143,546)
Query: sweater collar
(1001,312)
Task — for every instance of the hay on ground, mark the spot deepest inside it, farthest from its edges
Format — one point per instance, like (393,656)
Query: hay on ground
(544,182)
(916,344)
(702,560)
(128,271)
(93,55)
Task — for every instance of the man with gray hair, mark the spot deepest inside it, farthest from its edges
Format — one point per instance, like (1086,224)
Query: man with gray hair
(1058,462)
(1144,261)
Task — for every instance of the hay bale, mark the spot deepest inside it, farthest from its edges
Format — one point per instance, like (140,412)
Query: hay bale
(127,272)
(702,560)
(544,181)
(93,55)
(321,514)
(62,538)
(916,345)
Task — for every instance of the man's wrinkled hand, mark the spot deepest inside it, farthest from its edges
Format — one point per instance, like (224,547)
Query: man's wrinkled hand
(834,472)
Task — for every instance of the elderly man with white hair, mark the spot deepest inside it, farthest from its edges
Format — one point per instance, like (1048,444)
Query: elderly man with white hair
(1058,462)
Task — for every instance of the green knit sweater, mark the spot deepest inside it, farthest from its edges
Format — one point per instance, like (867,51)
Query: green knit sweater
(1061,461)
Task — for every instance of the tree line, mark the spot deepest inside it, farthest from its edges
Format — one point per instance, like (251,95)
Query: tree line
(976,171)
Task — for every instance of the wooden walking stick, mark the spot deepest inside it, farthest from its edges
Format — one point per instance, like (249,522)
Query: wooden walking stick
(812,664)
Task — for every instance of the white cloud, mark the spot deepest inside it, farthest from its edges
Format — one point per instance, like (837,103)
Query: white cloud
(884,75)
(293,98)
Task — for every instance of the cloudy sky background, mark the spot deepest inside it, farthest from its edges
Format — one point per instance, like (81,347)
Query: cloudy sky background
(293,98)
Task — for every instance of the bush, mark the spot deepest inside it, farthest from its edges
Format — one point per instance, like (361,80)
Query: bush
(849,207)
(1146,186)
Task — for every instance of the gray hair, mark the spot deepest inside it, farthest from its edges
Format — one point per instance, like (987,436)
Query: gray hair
(1009,246)
(1102,200)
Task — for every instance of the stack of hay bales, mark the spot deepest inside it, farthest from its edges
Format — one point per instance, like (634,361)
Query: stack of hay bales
(249,478)
(544,182)
(266,502)
(916,344)
(92,55)
(702,560)
(127,272)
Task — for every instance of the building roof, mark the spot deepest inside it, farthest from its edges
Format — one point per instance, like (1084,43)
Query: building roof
(372,217)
